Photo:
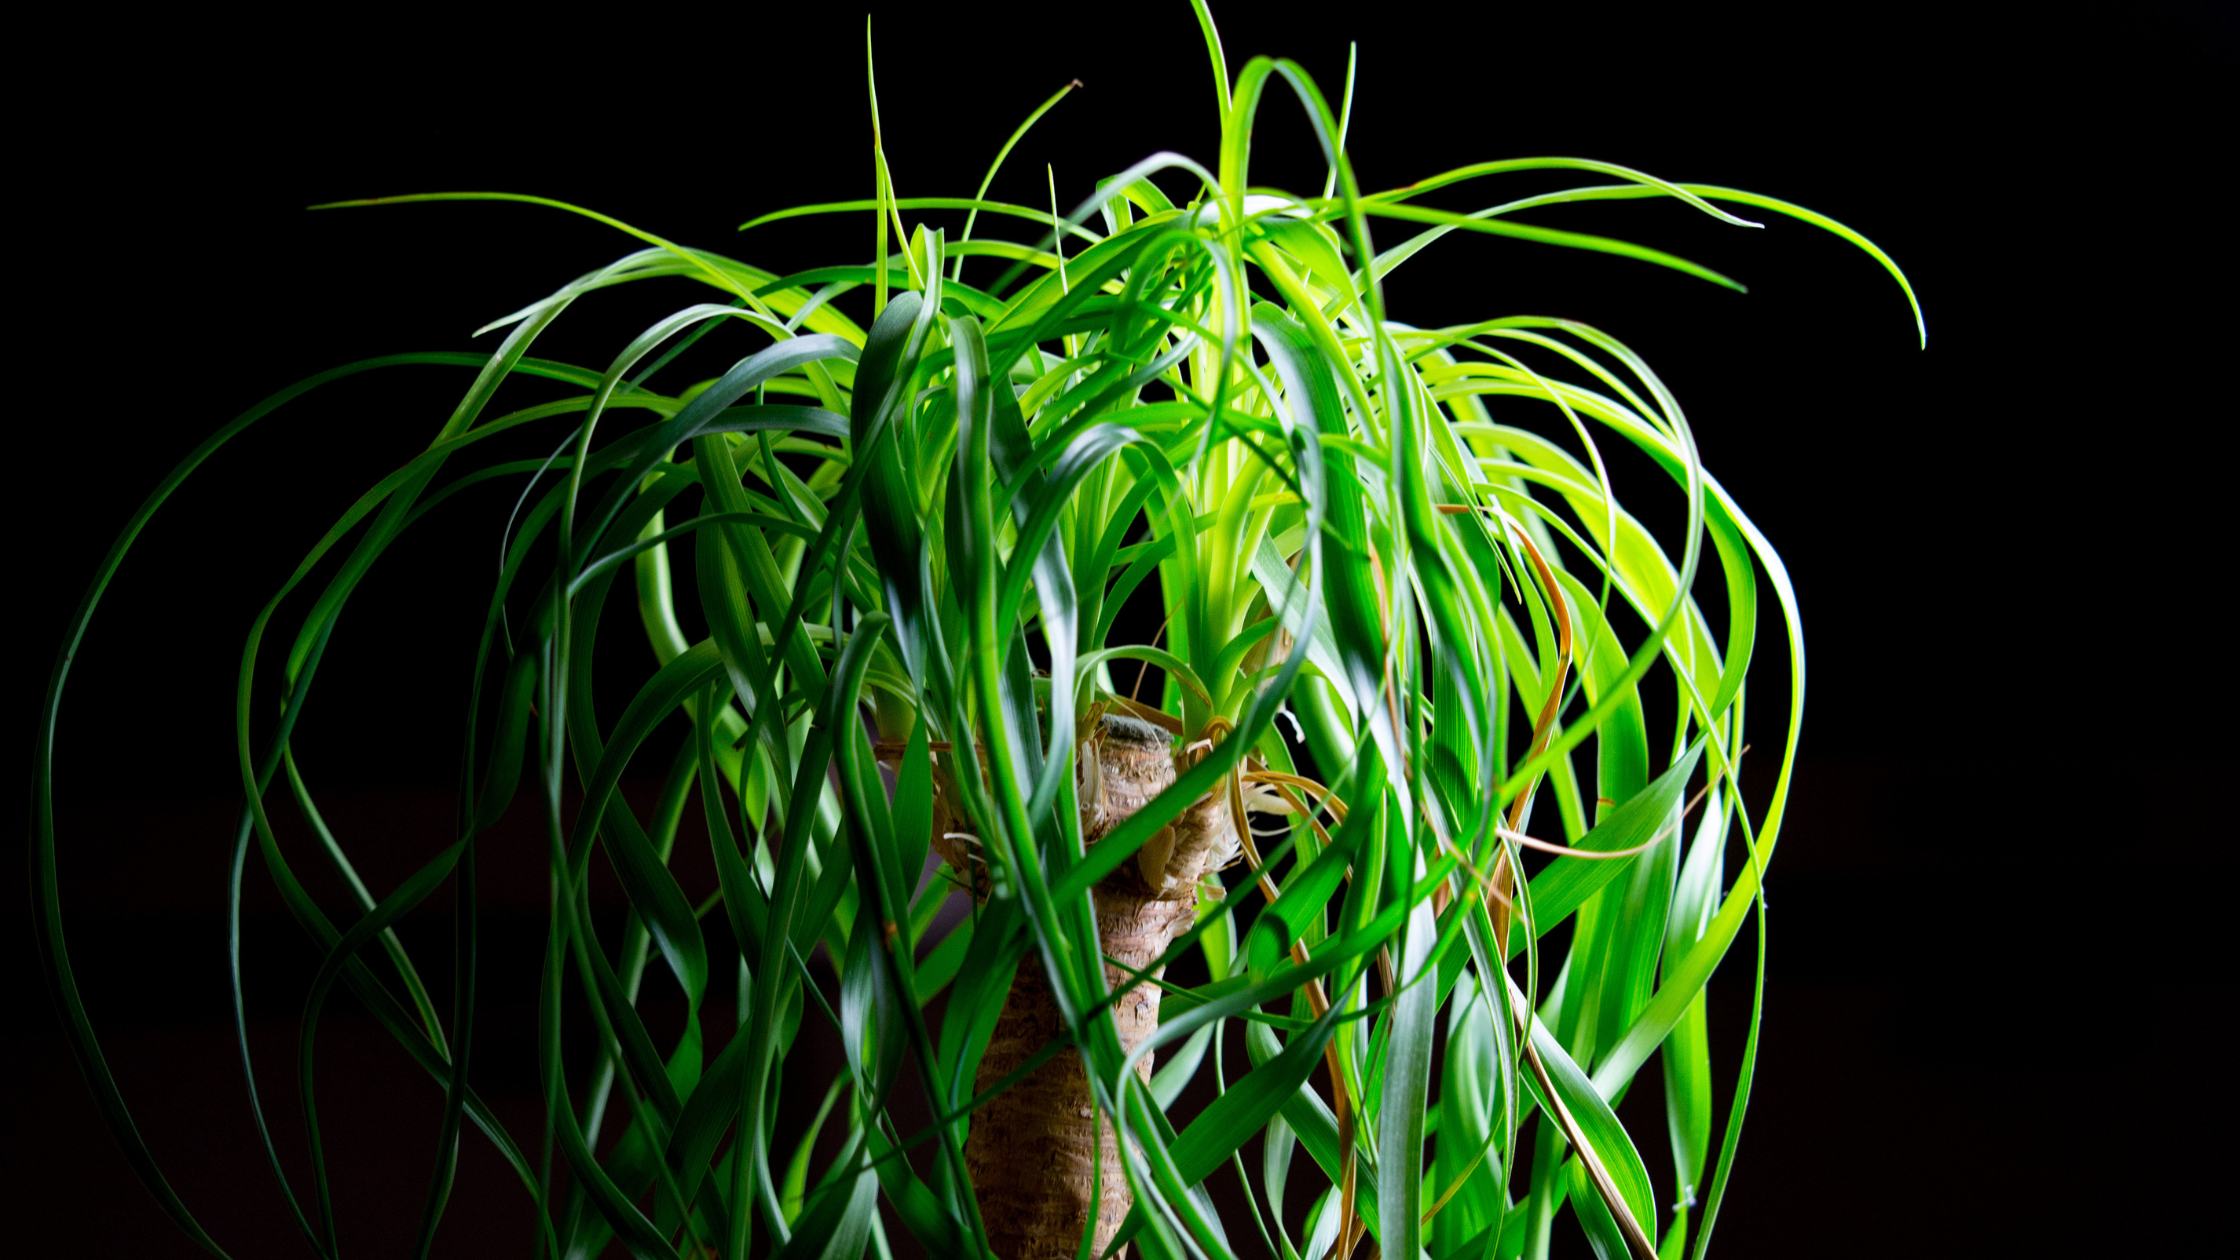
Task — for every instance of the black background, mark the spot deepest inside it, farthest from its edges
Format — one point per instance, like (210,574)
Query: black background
(1991,1014)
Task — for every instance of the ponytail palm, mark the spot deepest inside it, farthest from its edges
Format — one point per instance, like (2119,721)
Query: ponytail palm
(1408,632)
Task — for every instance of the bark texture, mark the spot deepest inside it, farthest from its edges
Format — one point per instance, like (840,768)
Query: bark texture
(1035,1150)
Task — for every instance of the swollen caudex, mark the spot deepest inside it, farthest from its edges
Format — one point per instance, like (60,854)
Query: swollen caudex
(1122,763)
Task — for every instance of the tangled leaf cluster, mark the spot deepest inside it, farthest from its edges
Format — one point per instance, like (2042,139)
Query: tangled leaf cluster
(912,543)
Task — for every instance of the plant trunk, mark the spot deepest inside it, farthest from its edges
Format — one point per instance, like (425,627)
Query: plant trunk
(1040,1157)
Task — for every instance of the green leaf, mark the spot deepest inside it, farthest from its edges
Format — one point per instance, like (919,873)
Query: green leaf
(797,1168)
(653,890)
(1241,1110)
(1300,906)
(1407,1076)
(913,804)
(1566,883)
(1607,1142)
(837,1224)
(1205,1144)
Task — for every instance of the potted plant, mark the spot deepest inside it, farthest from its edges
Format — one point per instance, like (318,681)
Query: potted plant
(1398,602)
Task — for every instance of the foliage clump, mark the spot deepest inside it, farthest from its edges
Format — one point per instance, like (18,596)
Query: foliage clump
(1407,634)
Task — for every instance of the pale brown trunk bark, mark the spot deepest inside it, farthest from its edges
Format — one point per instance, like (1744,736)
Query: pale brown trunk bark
(1035,1150)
